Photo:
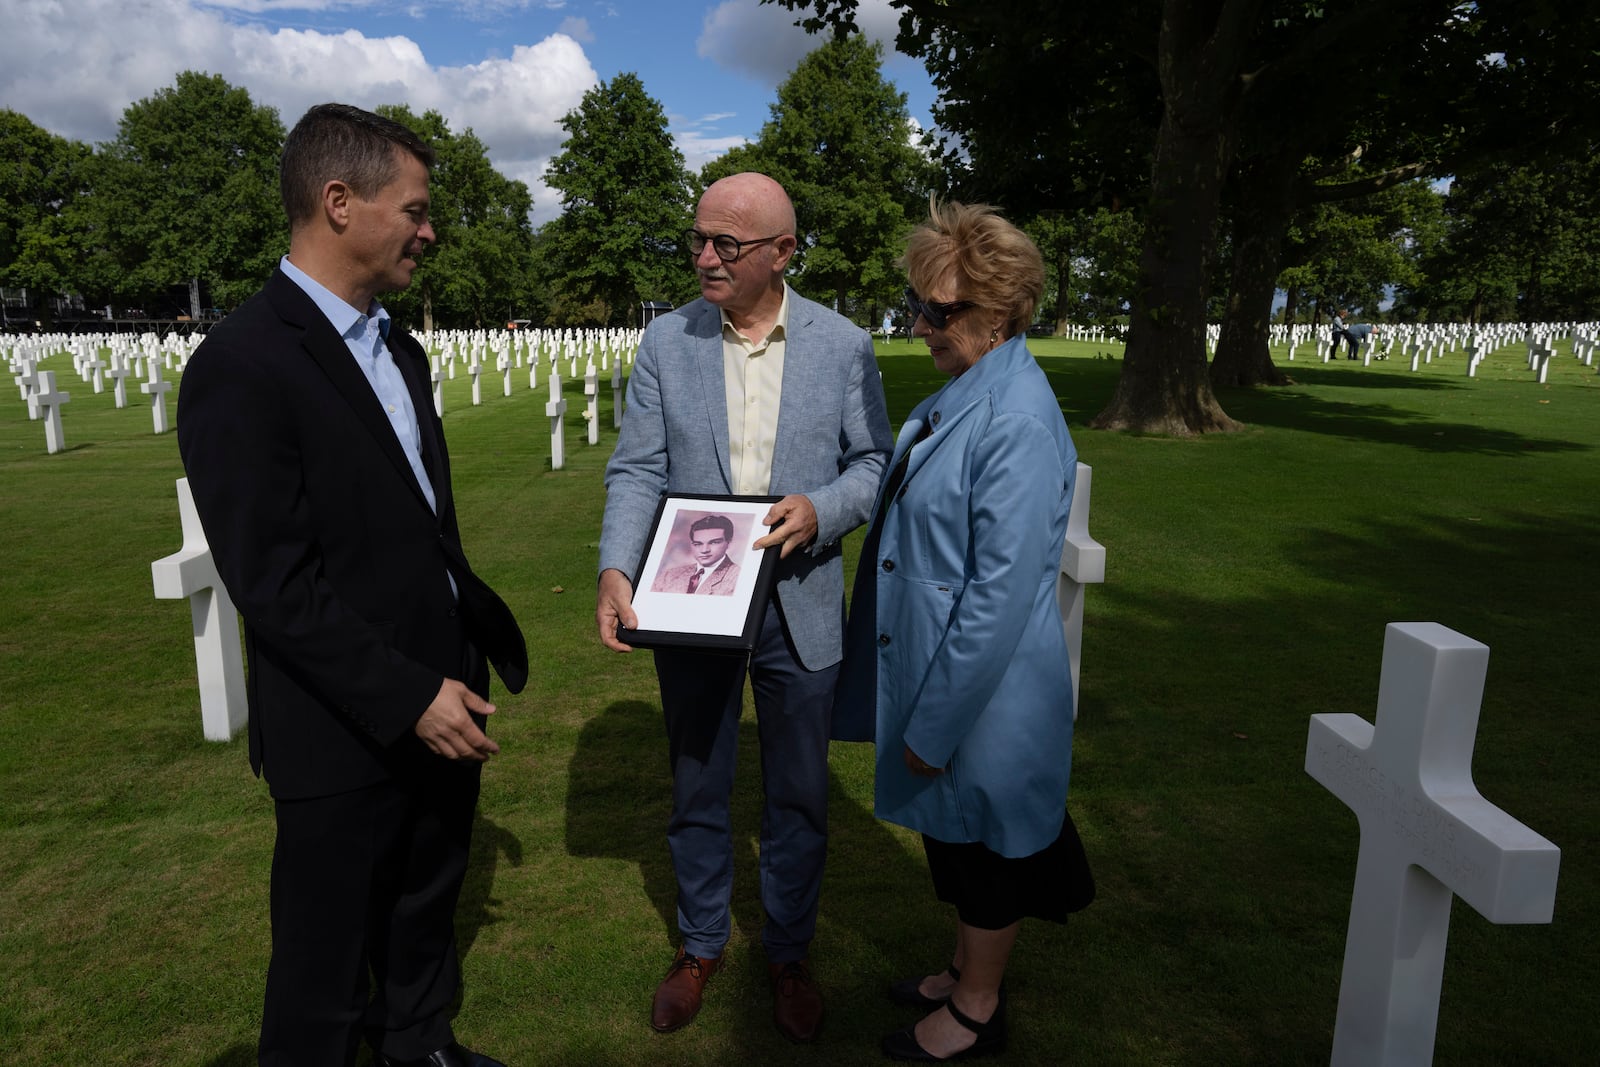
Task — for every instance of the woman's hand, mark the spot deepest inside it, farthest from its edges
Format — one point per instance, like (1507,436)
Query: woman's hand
(915,763)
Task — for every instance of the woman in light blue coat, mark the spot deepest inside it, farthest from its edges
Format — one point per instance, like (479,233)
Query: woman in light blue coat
(955,641)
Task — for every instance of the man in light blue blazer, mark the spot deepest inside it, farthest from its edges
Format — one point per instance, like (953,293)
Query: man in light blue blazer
(752,390)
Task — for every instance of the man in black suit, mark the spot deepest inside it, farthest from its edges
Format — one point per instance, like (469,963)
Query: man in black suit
(320,473)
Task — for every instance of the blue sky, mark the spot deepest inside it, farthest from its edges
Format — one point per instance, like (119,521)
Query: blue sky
(509,69)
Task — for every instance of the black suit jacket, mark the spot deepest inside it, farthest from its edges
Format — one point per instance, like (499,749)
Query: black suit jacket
(329,549)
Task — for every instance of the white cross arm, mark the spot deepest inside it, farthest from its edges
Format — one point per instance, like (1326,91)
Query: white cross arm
(1505,870)
(191,573)
(1408,776)
(1083,559)
(190,569)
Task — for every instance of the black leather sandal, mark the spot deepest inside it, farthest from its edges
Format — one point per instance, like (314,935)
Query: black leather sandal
(908,991)
(991,1038)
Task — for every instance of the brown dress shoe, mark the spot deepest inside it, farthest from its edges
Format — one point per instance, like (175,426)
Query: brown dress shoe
(677,999)
(796,1003)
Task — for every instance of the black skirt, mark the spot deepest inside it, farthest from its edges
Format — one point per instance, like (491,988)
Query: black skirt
(991,891)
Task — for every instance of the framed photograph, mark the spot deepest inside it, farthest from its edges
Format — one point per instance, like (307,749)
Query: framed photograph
(700,584)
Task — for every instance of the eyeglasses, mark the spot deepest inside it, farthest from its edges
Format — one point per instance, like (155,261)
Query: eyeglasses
(727,247)
(936,313)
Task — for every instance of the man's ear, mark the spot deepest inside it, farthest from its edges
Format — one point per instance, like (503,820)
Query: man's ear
(786,246)
(336,197)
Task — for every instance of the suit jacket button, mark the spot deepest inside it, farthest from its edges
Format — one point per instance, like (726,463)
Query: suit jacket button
(883,639)
(453,612)
(888,564)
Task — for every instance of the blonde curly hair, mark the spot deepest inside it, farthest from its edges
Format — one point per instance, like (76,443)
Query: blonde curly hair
(995,265)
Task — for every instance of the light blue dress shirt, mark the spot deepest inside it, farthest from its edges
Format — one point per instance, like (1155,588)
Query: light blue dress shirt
(364,334)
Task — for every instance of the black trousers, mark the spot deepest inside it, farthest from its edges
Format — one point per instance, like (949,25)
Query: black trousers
(363,900)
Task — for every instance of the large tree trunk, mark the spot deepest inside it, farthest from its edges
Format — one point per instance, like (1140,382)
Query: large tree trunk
(1260,223)
(1164,387)
(1063,292)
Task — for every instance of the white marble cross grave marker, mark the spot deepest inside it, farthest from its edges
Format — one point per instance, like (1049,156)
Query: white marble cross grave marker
(49,402)
(27,379)
(1426,833)
(157,389)
(1083,562)
(192,573)
(616,393)
(95,368)
(1539,354)
(119,376)
(591,402)
(556,408)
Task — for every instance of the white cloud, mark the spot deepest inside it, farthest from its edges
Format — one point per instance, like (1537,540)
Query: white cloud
(700,140)
(761,41)
(77,84)
(578,29)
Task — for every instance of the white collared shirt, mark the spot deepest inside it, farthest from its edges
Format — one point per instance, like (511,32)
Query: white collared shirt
(753,382)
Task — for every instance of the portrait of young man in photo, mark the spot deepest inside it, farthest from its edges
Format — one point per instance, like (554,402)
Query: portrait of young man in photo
(713,572)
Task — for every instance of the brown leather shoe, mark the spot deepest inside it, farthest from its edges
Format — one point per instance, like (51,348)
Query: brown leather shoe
(677,999)
(796,1003)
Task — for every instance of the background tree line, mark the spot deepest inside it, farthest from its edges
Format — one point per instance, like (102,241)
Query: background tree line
(1177,163)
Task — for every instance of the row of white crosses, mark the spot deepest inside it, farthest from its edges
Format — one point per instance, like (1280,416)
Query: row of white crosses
(1097,334)
(597,351)
(1422,343)
(44,399)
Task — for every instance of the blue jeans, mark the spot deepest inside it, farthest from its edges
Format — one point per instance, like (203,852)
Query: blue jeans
(702,697)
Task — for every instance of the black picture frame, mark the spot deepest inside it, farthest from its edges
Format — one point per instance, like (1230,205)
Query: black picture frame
(724,614)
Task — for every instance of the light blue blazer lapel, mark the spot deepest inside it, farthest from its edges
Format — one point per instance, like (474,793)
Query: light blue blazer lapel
(707,357)
(903,443)
(941,421)
(798,372)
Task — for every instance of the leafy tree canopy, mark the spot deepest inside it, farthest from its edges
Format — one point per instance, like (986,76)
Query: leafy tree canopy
(626,200)
(479,272)
(840,142)
(189,189)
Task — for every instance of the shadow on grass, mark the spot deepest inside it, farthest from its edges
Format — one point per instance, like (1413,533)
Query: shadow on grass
(1382,423)
(1198,780)
(1362,378)
(478,906)
(240,1055)
(619,792)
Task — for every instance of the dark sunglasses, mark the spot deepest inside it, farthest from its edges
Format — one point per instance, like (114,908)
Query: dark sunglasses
(727,247)
(936,313)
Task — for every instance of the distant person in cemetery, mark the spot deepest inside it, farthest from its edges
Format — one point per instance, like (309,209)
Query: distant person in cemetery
(1355,336)
(713,572)
(1336,321)
(320,473)
(955,646)
(791,394)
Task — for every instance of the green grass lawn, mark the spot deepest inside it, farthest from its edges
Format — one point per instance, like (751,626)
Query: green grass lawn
(1250,577)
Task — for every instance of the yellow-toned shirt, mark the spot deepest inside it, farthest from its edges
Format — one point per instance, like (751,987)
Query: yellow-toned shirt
(753,379)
